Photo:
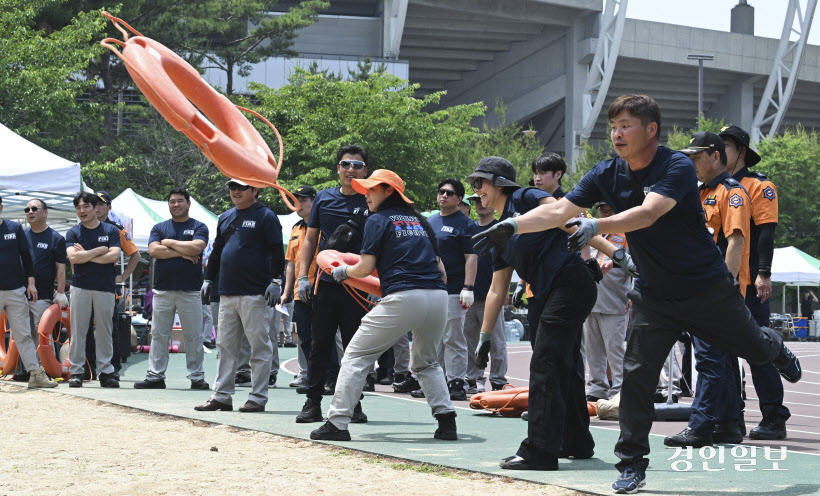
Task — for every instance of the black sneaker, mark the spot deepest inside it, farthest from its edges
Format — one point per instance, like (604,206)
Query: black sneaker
(788,365)
(76,380)
(243,380)
(21,377)
(209,344)
(688,437)
(727,433)
(418,393)
(497,386)
(446,427)
(290,345)
(272,381)
(200,384)
(387,380)
(358,415)
(457,390)
(329,432)
(370,384)
(311,412)
(408,385)
(108,381)
(150,384)
(302,389)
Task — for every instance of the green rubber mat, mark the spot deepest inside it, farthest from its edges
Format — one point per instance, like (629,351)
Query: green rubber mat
(403,428)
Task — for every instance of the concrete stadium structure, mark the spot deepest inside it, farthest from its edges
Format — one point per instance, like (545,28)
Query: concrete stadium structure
(541,58)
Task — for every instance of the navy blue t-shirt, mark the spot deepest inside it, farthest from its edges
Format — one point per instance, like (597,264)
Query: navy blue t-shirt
(47,249)
(330,210)
(246,263)
(12,242)
(90,275)
(453,233)
(537,257)
(676,255)
(178,274)
(405,258)
(484,274)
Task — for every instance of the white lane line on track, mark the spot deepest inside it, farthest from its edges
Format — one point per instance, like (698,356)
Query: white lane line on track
(788,403)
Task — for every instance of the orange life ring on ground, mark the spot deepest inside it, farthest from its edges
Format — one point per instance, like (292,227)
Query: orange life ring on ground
(328,259)
(509,402)
(3,331)
(10,357)
(177,91)
(52,317)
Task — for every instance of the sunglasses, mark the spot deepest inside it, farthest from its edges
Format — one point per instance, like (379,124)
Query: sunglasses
(356,164)
(234,187)
(31,209)
(446,192)
(476,183)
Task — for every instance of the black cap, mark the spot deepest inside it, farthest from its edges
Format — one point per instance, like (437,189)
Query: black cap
(704,142)
(104,196)
(742,138)
(305,190)
(498,170)
(602,204)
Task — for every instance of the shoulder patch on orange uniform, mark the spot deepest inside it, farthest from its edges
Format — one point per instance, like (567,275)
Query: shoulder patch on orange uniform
(735,201)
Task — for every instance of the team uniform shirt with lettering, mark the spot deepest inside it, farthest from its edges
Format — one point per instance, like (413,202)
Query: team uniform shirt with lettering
(453,233)
(763,194)
(47,249)
(330,210)
(90,275)
(178,274)
(246,265)
(727,207)
(293,254)
(12,242)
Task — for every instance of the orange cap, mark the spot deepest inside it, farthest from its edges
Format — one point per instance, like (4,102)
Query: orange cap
(381,176)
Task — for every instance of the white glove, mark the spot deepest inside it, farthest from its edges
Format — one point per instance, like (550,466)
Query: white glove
(467,298)
(62,300)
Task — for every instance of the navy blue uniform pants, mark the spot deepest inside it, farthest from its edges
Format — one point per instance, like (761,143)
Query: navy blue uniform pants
(717,398)
(766,378)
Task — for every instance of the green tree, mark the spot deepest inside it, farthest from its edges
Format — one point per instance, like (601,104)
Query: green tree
(678,139)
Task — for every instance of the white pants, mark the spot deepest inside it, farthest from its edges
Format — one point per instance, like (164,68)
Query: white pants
(604,336)
(83,301)
(188,304)
(249,317)
(453,350)
(422,310)
(15,303)
(498,345)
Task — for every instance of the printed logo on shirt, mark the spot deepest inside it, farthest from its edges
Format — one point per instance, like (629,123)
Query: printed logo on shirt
(9,236)
(188,232)
(516,214)
(735,201)
(102,239)
(710,200)
(406,225)
(768,193)
(43,246)
(249,223)
(647,189)
(448,229)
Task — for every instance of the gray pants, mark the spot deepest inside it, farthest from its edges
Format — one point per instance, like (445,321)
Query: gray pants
(83,301)
(207,324)
(282,322)
(453,350)
(422,310)
(188,304)
(243,316)
(604,336)
(401,355)
(245,352)
(215,313)
(15,304)
(498,345)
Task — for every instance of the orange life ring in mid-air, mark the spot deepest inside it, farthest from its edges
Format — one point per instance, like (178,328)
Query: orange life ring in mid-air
(178,92)
(53,318)
(509,402)
(328,259)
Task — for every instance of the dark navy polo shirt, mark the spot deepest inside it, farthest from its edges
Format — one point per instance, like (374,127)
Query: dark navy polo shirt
(537,257)
(330,210)
(484,274)
(90,275)
(675,256)
(12,242)
(178,274)
(47,249)
(405,258)
(245,266)
(453,233)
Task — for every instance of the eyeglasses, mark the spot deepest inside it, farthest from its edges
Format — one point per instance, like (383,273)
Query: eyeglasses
(356,164)
(179,202)
(234,186)
(31,209)
(446,192)
(476,183)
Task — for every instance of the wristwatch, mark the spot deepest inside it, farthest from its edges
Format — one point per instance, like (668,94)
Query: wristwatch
(765,273)
(468,287)
(619,256)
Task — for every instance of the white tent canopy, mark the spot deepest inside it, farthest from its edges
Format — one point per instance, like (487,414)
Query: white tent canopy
(795,267)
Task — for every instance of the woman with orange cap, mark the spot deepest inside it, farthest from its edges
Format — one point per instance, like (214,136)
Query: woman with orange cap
(398,242)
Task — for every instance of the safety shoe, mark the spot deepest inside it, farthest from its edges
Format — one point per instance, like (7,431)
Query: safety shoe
(150,384)
(516,462)
(472,388)
(788,365)
(358,415)
(418,393)
(497,386)
(311,412)
(272,381)
(329,432)
(457,391)
(772,427)
(688,437)
(199,384)
(108,381)
(629,481)
(76,380)
(727,433)
(446,427)
(39,379)
(408,385)
(399,377)
(243,380)
(387,380)
(370,384)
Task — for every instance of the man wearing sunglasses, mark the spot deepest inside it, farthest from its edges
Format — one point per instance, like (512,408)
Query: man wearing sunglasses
(333,307)
(249,259)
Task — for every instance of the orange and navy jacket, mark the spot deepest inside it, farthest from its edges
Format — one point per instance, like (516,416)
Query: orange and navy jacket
(764,207)
(728,208)
(127,244)
(294,251)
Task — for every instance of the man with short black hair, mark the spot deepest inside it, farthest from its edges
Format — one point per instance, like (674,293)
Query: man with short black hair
(177,245)
(93,248)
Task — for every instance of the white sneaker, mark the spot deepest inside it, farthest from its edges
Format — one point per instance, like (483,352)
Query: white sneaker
(39,379)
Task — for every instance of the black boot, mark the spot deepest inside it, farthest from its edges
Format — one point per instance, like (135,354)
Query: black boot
(446,427)
(727,433)
(773,426)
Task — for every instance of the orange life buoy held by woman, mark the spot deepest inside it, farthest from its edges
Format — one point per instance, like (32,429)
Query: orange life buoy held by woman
(53,318)
(328,259)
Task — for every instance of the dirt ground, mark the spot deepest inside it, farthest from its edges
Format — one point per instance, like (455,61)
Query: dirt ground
(60,444)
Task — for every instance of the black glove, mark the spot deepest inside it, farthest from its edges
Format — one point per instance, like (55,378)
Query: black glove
(482,353)
(205,292)
(518,295)
(495,237)
(587,229)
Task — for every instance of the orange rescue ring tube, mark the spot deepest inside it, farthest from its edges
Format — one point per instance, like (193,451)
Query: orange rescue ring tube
(177,90)
(11,356)
(51,319)
(509,402)
(328,259)
(3,331)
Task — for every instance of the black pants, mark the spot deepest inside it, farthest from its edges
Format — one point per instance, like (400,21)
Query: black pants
(302,313)
(534,309)
(766,378)
(716,314)
(333,308)
(557,408)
